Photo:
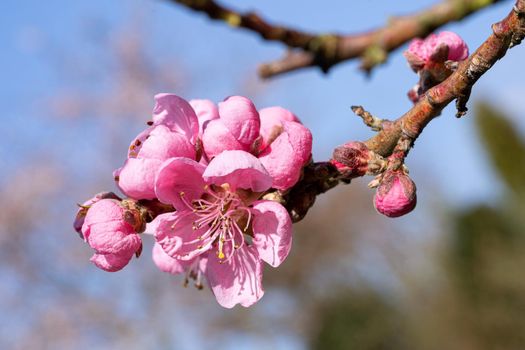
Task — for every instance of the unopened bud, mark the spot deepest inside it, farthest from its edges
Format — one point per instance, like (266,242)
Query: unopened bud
(436,48)
(396,195)
(352,158)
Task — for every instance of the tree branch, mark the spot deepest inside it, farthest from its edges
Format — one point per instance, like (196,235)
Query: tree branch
(506,34)
(326,50)
(374,46)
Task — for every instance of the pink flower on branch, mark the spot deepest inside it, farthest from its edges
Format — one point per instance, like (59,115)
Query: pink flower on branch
(173,133)
(110,227)
(433,59)
(274,135)
(436,48)
(221,229)
(82,211)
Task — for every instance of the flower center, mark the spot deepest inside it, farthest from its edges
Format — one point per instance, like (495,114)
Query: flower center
(226,219)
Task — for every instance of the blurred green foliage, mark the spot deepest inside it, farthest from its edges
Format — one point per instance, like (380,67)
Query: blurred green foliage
(504,146)
(360,318)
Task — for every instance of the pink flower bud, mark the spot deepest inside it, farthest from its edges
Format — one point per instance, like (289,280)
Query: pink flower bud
(352,158)
(82,211)
(396,195)
(110,228)
(457,48)
(441,47)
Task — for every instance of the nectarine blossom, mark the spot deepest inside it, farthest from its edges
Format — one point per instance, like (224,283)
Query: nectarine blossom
(83,209)
(173,133)
(447,44)
(221,229)
(274,135)
(110,227)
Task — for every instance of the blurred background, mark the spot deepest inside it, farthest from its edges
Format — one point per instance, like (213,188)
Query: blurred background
(78,84)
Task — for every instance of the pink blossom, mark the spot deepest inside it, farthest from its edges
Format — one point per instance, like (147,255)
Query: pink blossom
(396,195)
(221,229)
(274,134)
(193,269)
(173,134)
(272,119)
(206,110)
(236,129)
(82,211)
(111,229)
(420,51)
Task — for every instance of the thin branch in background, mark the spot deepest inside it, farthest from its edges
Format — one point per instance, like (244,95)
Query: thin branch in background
(326,50)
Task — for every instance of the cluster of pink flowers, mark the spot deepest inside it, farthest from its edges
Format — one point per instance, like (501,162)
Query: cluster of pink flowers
(211,164)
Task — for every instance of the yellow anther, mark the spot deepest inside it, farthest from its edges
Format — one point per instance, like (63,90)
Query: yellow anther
(220,255)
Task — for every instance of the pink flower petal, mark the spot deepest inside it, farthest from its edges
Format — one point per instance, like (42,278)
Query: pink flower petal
(104,210)
(81,212)
(178,237)
(272,229)
(138,141)
(457,48)
(166,263)
(238,280)
(176,176)
(206,110)
(110,262)
(177,114)
(110,240)
(271,123)
(136,178)
(239,169)
(240,116)
(418,48)
(286,156)
(162,143)
(217,138)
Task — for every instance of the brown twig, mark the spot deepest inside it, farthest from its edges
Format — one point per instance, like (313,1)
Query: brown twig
(326,50)
(374,46)
(252,22)
(506,33)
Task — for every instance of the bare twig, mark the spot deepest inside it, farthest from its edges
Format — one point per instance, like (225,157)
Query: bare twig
(326,50)
(374,46)
(373,122)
